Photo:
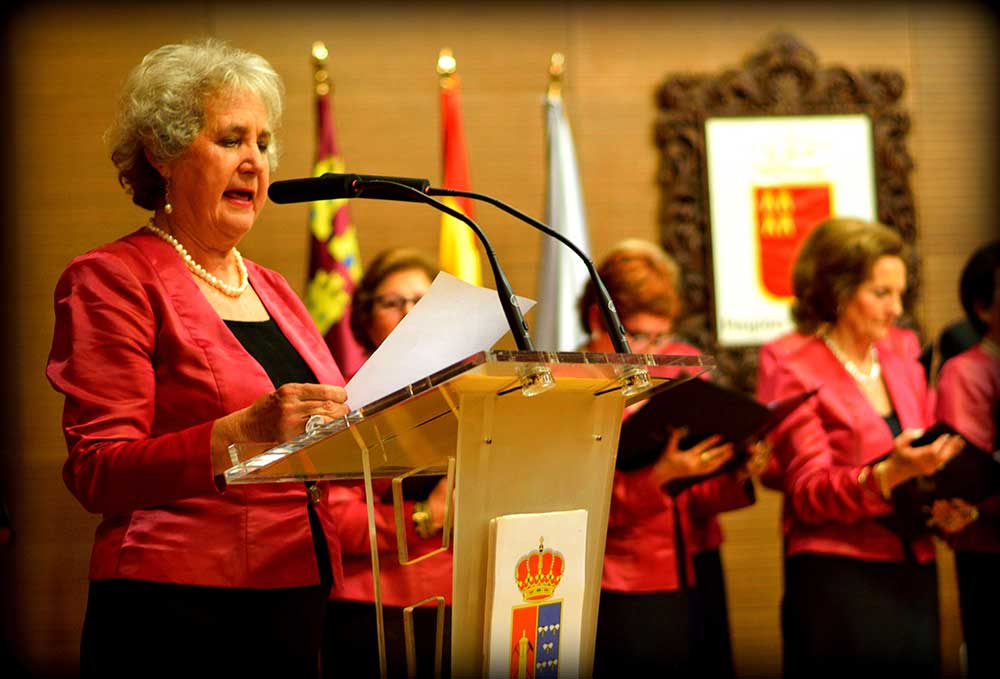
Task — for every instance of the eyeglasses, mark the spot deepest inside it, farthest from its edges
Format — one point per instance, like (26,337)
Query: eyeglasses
(647,338)
(394,302)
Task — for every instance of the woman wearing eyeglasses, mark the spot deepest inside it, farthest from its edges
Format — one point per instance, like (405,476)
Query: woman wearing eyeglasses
(393,283)
(663,607)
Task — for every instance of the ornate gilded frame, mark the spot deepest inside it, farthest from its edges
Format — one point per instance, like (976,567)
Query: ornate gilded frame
(783,78)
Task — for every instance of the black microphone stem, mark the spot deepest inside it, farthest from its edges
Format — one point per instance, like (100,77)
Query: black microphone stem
(609,314)
(515,319)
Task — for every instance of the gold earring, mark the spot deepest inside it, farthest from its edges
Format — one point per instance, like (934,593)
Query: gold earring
(167,207)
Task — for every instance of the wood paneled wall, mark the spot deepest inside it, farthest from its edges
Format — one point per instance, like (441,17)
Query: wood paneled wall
(68,61)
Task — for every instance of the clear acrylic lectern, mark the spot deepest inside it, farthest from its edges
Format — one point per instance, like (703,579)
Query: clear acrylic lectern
(507,454)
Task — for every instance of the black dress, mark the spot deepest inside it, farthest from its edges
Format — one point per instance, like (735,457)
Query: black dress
(845,617)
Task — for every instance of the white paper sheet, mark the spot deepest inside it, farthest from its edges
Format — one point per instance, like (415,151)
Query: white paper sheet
(452,321)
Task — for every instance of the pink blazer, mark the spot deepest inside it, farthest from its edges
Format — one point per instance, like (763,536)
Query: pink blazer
(146,365)
(641,548)
(640,554)
(968,398)
(822,447)
(769,358)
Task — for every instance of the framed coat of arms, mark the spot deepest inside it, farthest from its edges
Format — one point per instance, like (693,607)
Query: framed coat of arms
(751,159)
(770,181)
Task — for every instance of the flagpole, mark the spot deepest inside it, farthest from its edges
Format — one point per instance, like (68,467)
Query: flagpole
(334,257)
(564,211)
(557,65)
(446,67)
(458,253)
(320,54)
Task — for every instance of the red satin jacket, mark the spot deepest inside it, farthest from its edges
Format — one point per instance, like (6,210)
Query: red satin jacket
(146,365)
(640,552)
(823,446)
(968,398)
(769,358)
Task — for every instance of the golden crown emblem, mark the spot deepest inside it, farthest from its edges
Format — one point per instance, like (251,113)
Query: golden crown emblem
(538,572)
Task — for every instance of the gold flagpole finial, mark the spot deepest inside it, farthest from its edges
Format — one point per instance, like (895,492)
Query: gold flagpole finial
(557,65)
(321,78)
(446,66)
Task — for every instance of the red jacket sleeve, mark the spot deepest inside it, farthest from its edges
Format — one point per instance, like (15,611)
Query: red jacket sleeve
(720,493)
(967,399)
(102,360)
(819,489)
(634,496)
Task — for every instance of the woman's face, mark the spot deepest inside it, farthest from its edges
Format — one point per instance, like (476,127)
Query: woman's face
(877,303)
(393,299)
(219,186)
(646,333)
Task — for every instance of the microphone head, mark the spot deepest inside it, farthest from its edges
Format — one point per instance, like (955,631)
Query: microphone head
(330,186)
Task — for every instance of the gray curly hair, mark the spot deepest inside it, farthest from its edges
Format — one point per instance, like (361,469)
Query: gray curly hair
(161,109)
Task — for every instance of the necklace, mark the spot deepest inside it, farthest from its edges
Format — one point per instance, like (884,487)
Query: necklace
(850,366)
(199,271)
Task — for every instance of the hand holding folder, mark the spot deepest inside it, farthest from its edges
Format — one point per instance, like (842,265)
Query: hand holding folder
(972,475)
(703,409)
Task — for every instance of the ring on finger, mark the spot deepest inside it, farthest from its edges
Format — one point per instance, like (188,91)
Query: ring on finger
(704,456)
(314,422)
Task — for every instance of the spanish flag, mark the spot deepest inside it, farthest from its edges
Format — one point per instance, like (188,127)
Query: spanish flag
(458,251)
(334,258)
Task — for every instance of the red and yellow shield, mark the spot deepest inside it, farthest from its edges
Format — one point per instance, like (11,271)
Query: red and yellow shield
(785,216)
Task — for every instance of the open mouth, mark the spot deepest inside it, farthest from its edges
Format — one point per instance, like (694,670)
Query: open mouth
(242,195)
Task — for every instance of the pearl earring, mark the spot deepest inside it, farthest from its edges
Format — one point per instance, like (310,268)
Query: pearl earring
(167,207)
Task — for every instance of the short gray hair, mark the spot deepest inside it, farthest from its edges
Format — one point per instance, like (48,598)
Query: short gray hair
(161,109)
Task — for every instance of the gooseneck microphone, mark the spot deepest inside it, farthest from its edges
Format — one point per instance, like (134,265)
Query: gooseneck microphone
(633,379)
(340,186)
(607,307)
(332,186)
(386,187)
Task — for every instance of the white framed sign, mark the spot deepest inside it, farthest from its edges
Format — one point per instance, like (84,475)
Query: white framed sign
(770,181)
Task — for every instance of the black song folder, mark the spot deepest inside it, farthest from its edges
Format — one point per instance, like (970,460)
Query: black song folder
(972,475)
(702,408)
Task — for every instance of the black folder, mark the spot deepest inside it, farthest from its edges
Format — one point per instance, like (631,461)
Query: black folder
(703,408)
(972,475)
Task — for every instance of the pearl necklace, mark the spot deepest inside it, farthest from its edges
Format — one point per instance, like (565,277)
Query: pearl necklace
(850,366)
(200,271)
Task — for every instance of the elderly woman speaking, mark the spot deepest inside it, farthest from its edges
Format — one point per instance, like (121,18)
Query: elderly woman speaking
(168,347)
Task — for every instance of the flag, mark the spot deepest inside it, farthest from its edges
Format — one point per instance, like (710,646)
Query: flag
(562,276)
(458,253)
(334,258)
